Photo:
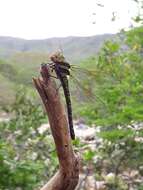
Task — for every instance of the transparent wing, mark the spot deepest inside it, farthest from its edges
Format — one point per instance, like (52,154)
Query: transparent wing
(88,72)
(95,75)
(84,84)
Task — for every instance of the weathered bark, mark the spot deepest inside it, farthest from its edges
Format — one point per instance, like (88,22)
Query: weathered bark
(67,176)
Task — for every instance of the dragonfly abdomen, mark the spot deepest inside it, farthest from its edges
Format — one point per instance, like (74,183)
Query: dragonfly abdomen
(65,86)
(62,70)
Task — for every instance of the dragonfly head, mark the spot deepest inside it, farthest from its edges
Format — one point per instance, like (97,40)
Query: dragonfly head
(57,57)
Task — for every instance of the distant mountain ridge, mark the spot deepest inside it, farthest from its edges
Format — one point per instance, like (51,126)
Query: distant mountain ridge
(74,48)
(20,59)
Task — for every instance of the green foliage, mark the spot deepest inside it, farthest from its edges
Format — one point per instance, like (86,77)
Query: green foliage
(24,151)
(27,64)
(115,135)
(7,70)
(88,155)
(134,38)
(116,83)
(117,87)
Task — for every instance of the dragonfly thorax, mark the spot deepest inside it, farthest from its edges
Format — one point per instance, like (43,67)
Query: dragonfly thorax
(62,70)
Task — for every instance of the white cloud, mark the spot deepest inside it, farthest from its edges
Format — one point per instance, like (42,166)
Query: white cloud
(48,18)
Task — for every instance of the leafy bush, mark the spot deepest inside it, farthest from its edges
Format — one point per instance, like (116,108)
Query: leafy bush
(118,108)
(24,151)
(117,87)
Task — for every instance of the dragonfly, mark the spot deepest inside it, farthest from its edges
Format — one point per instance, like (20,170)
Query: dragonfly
(63,70)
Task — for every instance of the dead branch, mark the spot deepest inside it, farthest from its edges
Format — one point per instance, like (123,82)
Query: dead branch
(67,176)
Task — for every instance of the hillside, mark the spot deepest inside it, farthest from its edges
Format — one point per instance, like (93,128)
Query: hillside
(20,59)
(75,48)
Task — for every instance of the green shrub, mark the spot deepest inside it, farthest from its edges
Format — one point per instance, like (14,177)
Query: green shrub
(25,154)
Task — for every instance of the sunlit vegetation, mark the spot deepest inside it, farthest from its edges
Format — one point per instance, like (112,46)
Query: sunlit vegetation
(115,88)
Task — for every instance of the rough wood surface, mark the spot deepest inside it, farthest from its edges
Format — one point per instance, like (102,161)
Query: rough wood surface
(67,176)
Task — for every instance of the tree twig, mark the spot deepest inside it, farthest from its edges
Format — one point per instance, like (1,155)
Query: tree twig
(67,176)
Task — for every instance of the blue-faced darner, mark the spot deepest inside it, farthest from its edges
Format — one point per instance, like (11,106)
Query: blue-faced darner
(63,70)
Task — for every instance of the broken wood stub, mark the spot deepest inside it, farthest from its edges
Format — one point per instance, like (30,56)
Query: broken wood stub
(67,176)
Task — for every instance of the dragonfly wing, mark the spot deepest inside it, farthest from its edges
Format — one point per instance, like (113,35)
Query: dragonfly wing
(86,92)
(91,72)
